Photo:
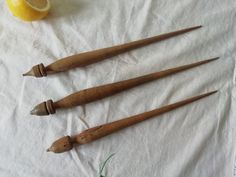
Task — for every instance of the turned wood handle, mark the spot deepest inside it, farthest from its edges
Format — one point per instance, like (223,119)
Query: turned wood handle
(88,58)
(96,93)
(92,134)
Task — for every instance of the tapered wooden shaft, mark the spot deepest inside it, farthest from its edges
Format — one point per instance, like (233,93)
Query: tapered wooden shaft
(66,143)
(96,93)
(88,58)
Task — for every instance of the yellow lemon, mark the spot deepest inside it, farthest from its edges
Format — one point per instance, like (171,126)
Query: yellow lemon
(29,10)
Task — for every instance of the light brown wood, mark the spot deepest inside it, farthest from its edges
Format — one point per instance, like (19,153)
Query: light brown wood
(96,93)
(91,57)
(66,143)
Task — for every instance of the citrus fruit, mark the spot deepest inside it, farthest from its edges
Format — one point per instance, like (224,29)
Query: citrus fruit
(29,10)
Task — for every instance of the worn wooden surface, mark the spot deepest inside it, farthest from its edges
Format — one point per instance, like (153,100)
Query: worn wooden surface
(96,93)
(88,58)
(66,143)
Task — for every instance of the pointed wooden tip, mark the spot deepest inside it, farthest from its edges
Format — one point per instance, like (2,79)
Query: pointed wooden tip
(50,149)
(179,104)
(34,111)
(43,109)
(29,73)
(205,94)
(61,145)
(192,28)
(210,93)
(213,59)
(196,27)
(37,71)
(208,60)
(39,110)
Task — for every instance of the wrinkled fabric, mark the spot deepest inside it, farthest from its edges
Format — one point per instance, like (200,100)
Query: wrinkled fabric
(192,141)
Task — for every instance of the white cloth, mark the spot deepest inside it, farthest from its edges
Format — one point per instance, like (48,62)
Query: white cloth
(195,140)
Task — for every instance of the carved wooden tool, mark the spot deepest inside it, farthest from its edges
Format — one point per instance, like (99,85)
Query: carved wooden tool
(66,143)
(88,58)
(96,93)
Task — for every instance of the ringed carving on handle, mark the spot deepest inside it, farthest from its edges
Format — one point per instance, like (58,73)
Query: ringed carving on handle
(87,58)
(66,143)
(96,93)
(37,71)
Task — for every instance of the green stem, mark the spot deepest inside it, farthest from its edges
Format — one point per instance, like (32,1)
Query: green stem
(105,164)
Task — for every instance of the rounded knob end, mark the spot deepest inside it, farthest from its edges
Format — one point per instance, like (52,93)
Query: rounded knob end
(61,145)
(44,108)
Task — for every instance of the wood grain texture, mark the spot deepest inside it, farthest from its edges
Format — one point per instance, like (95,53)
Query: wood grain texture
(66,143)
(87,58)
(100,92)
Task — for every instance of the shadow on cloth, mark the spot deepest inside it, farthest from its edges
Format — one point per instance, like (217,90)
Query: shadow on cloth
(65,8)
